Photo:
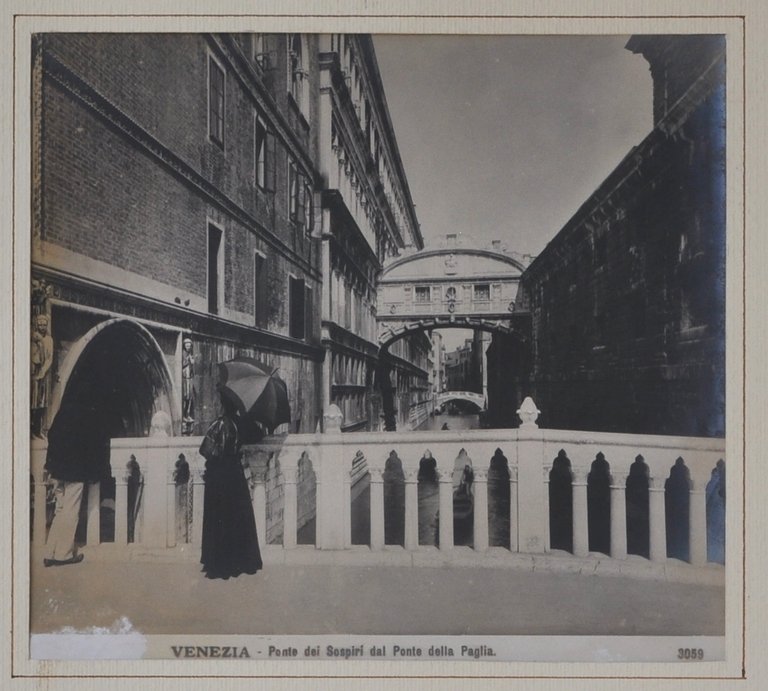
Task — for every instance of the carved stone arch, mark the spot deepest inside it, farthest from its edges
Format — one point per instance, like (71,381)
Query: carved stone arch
(122,360)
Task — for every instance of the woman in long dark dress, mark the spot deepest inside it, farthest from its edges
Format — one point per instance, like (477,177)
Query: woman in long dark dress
(230,544)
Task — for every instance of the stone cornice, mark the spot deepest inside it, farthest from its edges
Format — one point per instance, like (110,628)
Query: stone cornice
(80,293)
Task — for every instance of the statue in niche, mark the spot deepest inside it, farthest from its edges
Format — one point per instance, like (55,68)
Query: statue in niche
(41,356)
(188,392)
(450,264)
(42,359)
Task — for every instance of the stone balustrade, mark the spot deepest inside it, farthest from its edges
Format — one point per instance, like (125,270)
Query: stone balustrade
(541,465)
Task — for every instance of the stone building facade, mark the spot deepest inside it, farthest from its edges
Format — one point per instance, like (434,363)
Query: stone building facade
(368,218)
(628,299)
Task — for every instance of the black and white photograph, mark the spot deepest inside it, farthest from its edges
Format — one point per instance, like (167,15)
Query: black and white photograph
(359,346)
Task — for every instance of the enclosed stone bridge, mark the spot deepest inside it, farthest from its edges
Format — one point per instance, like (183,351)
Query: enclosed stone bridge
(451,287)
(470,396)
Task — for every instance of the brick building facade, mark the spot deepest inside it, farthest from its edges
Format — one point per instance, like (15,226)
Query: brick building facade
(167,209)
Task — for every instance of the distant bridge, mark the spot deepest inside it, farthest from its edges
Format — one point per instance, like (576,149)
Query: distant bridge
(452,287)
(470,396)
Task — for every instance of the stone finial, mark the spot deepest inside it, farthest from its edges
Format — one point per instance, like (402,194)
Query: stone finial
(160,425)
(528,413)
(332,419)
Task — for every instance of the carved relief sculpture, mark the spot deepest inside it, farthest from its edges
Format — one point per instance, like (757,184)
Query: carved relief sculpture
(188,392)
(41,356)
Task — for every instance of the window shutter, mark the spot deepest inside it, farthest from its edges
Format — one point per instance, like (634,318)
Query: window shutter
(259,149)
(309,208)
(299,192)
(308,314)
(270,163)
(296,296)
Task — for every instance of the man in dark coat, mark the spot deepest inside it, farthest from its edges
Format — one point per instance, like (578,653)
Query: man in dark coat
(78,452)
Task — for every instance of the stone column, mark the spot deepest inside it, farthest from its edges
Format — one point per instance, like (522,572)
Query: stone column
(619,515)
(513,519)
(411,509)
(93,535)
(697,522)
(546,470)
(480,518)
(258,462)
(154,495)
(580,514)
(290,506)
(377,508)
(446,508)
(121,508)
(657,523)
(533,497)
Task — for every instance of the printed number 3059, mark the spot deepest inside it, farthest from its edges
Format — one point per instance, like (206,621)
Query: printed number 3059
(690,654)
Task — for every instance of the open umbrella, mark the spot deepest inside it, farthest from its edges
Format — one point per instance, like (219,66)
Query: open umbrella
(256,391)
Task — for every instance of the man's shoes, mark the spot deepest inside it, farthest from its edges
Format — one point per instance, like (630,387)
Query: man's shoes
(63,562)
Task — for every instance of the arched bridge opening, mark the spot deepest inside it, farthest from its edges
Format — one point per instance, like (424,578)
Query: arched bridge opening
(409,351)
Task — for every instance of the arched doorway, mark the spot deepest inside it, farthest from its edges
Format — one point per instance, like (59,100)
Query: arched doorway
(114,379)
(119,367)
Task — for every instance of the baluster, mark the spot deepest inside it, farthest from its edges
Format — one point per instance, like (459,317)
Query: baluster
(347,508)
(480,517)
(198,503)
(580,526)
(377,507)
(657,521)
(619,515)
(445,476)
(170,505)
(290,506)
(514,544)
(697,521)
(323,522)
(93,534)
(38,528)
(37,460)
(121,508)
(411,508)
(259,501)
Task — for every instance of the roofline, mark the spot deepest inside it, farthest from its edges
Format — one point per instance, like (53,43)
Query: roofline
(370,53)
(490,254)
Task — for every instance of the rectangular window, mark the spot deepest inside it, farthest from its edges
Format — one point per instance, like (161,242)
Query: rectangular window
(260,290)
(422,294)
(296,298)
(215,102)
(260,152)
(214,276)
(482,292)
